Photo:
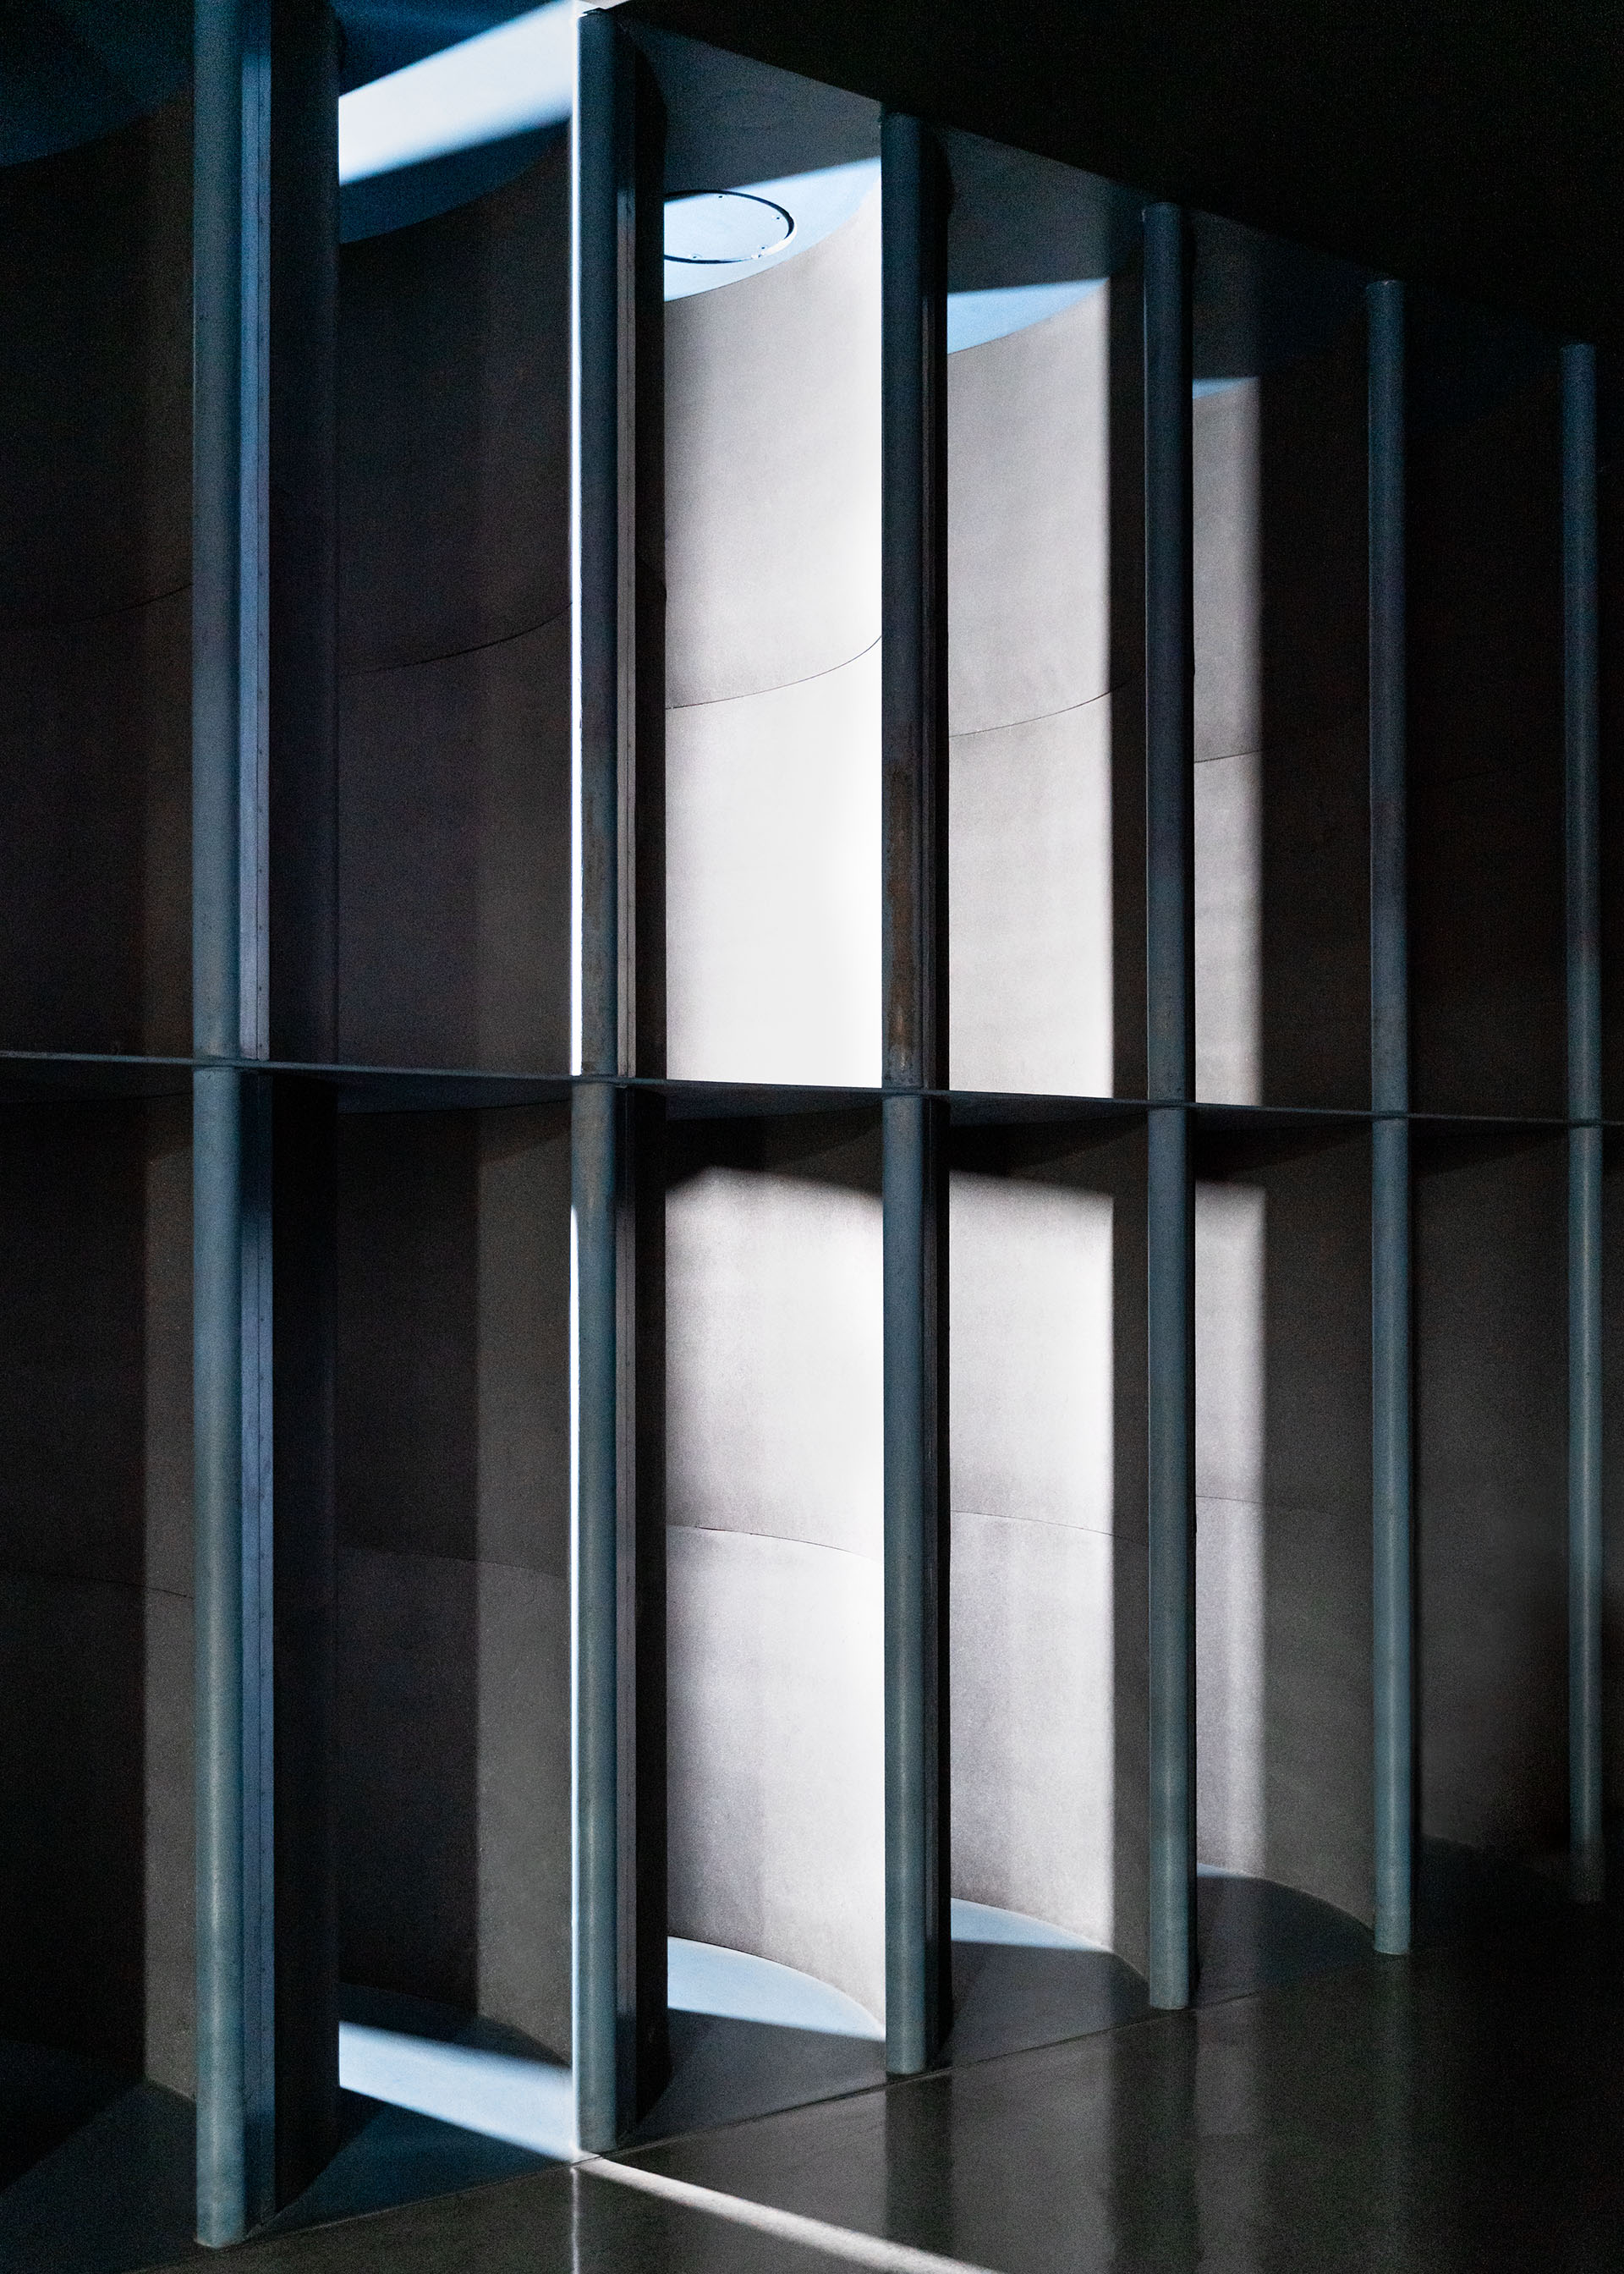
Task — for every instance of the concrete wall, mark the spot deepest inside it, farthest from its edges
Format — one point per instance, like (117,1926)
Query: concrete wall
(1488,1021)
(772,814)
(1283,1512)
(1490,1478)
(95,373)
(774,1546)
(453,1718)
(95,1583)
(95,1499)
(454,634)
(1048,1700)
(1046,795)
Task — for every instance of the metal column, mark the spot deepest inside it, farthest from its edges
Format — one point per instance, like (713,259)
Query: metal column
(618,2003)
(230,292)
(1392,1527)
(1169,760)
(914,699)
(1584,1135)
(264,634)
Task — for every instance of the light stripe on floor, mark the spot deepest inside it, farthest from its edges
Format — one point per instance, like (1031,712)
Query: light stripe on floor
(789,2225)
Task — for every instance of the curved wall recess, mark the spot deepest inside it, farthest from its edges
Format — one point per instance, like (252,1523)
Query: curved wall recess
(775,1797)
(1046,1656)
(773,669)
(1031,992)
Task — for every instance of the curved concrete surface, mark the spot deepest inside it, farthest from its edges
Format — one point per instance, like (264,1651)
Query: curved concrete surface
(772,907)
(95,376)
(1039,1581)
(1031,994)
(1031,997)
(772,471)
(454,634)
(774,1578)
(1028,530)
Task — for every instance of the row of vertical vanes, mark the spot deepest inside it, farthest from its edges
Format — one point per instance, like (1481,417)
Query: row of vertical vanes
(265,295)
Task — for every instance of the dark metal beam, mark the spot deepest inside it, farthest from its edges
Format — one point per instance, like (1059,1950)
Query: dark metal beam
(618,2002)
(1584,1110)
(1169,760)
(265,255)
(1391,1460)
(913,731)
(229,281)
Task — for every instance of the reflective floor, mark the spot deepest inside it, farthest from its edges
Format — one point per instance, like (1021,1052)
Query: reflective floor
(1459,2109)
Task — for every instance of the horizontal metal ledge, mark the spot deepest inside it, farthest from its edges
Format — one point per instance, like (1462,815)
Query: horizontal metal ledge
(40,1077)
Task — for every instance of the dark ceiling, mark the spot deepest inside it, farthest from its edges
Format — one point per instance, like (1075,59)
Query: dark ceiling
(1477,146)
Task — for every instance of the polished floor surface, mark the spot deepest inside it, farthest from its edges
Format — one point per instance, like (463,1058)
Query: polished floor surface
(1459,2109)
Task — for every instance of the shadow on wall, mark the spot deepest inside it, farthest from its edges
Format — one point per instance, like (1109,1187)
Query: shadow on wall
(95,376)
(772,439)
(774,1574)
(1490,1265)
(95,1601)
(1282,761)
(1283,1512)
(1048,1611)
(453,1566)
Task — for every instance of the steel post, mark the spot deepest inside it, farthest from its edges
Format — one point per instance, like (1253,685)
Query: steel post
(1391,1463)
(914,706)
(1584,1112)
(1169,757)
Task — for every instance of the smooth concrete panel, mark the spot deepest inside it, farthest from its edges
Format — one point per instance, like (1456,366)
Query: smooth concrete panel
(774,1362)
(72,1902)
(454,426)
(772,923)
(1612,1475)
(1033,1684)
(453,1715)
(1029,520)
(95,374)
(1491,1398)
(1226,475)
(168,1677)
(1282,1540)
(1229,929)
(454,859)
(776,1767)
(170,1908)
(1031,856)
(1282,923)
(772,471)
(1231,1391)
(72,1320)
(95,759)
(1047,1683)
(1313,922)
(1282,857)
(1487,767)
(453,1786)
(1032,1362)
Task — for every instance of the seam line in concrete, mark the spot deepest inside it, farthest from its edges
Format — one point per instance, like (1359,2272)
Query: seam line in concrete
(781,687)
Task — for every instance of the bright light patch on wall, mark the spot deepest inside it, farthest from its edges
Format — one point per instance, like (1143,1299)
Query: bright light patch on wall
(517,76)
(722,236)
(989,1923)
(704,1978)
(974,318)
(530,2102)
